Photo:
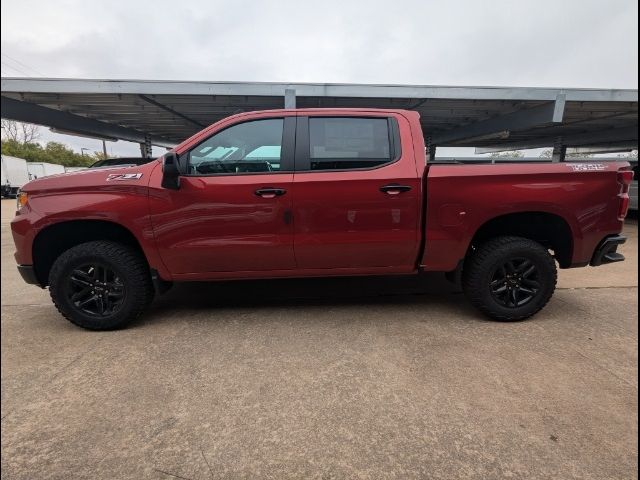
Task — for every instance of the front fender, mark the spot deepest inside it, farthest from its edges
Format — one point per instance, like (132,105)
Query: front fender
(125,203)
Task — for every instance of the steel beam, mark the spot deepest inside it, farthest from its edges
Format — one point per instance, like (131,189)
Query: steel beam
(145,148)
(559,151)
(290,98)
(431,149)
(170,110)
(167,87)
(32,113)
(547,114)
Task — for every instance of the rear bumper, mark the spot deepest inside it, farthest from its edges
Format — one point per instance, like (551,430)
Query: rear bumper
(606,251)
(28,274)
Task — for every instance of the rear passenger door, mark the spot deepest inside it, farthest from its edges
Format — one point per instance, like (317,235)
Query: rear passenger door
(356,193)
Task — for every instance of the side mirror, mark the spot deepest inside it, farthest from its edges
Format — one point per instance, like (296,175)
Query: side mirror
(171,171)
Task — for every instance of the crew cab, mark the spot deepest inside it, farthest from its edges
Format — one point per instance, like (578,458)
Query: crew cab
(309,193)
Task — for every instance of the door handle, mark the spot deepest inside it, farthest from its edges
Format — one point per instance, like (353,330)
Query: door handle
(270,192)
(394,189)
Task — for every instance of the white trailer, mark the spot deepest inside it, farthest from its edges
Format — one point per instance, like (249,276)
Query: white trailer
(74,169)
(14,175)
(43,169)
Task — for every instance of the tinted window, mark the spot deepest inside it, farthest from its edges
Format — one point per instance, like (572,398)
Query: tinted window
(345,143)
(243,148)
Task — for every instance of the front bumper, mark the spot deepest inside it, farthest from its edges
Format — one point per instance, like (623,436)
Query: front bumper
(28,274)
(606,251)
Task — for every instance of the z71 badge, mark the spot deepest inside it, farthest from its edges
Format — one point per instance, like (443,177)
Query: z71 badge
(123,176)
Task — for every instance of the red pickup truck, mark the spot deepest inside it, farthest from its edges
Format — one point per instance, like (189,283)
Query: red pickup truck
(308,193)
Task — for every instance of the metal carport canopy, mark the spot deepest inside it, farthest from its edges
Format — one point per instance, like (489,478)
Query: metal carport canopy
(167,112)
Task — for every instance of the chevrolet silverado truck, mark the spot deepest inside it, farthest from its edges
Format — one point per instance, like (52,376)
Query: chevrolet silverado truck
(310,193)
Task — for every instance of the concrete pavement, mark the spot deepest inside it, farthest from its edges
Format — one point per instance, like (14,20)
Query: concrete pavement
(329,379)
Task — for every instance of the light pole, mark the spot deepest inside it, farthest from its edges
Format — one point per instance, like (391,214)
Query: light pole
(82,151)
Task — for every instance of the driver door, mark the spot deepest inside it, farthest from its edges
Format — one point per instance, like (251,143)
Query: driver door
(233,210)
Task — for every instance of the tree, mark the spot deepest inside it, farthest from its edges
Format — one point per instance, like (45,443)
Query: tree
(52,152)
(509,154)
(99,156)
(19,131)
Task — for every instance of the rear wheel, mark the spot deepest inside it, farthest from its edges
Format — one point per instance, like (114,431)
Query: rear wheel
(510,278)
(100,285)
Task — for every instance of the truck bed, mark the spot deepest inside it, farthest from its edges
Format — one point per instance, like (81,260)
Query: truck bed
(461,198)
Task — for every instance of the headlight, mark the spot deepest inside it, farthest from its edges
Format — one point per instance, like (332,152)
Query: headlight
(22,199)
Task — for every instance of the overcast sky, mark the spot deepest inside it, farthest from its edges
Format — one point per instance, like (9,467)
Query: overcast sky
(516,43)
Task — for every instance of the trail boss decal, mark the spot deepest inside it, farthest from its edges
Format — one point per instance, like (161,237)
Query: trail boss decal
(123,176)
(587,167)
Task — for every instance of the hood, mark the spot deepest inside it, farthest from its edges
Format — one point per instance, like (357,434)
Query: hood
(99,178)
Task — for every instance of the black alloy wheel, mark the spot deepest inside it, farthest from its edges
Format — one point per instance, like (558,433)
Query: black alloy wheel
(96,290)
(515,283)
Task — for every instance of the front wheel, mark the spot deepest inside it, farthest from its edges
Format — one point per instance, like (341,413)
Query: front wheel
(100,285)
(510,278)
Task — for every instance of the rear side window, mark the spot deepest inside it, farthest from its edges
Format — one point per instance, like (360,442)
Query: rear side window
(343,143)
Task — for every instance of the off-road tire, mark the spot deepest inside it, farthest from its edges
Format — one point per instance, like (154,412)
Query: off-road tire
(132,271)
(480,267)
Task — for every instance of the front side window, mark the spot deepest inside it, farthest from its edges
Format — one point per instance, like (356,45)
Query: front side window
(244,148)
(348,143)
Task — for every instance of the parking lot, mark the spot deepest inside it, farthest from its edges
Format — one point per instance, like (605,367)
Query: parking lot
(331,379)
